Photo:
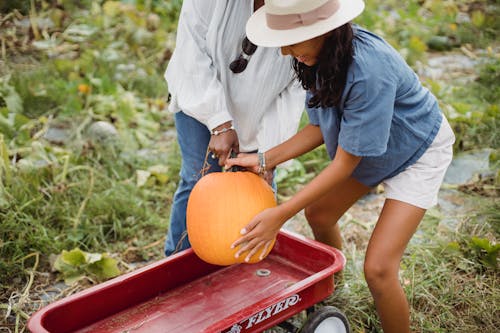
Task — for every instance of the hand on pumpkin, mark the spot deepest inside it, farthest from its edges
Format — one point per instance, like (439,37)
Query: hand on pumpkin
(222,144)
(259,233)
(249,161)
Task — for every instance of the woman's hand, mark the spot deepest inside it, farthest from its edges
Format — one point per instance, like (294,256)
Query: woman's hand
(223,144)
(259,233)
(249,161)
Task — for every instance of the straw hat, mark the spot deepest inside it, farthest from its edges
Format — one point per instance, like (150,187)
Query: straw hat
(286,22)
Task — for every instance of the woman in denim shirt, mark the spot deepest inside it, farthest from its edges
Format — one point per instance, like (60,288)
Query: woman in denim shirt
(379,125)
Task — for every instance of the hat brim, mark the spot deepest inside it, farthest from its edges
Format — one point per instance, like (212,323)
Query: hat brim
(260,34)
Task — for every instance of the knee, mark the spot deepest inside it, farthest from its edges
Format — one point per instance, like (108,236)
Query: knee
(378,274)
(313,217)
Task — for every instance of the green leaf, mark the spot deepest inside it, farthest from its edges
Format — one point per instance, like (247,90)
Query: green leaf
(75,257)
(453,246)
(487,251)
(105,268)
(142,177)
(160,172)
(73,278)
(91,258)
(481,243)
(76,264)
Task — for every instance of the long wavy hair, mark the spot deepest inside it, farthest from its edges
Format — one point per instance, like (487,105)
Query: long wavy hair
(327,78)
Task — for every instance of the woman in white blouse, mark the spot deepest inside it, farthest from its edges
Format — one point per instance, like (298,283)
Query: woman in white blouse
(227,95)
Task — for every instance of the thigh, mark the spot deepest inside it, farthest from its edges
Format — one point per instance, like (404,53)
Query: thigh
(193,138)
(396,225)
(338,200)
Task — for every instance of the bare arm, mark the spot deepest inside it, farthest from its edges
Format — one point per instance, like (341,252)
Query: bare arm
(262,229)
(337,171)
(305,140)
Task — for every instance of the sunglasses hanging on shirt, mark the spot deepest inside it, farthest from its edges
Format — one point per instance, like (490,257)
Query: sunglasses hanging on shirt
(247,49)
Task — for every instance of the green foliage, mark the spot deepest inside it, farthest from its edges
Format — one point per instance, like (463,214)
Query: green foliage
(485,251)
(488,79)
(442,25)
(479,250)
(446,273)
(7,6)
(103,61)
(83,189)
(76,264)
(476,117)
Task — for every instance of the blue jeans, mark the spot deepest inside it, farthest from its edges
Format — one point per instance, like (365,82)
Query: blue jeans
(193,138)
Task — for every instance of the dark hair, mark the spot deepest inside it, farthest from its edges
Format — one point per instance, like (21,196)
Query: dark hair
(327,78)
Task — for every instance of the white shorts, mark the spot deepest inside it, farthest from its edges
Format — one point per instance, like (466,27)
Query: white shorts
(419,184)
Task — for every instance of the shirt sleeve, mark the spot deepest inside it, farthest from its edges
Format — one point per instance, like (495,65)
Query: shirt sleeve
(311,112)
(191,75)
(367,115)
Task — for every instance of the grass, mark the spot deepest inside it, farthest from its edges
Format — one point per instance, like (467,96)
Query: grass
(448,286)
(82,190)
(104,62)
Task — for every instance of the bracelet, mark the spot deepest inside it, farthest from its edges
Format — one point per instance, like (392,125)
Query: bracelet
(224,130)
(262,163)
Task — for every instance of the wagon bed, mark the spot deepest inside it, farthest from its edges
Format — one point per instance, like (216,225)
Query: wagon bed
(182,293)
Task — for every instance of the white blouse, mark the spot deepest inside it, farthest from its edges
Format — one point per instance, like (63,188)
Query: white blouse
(264,102)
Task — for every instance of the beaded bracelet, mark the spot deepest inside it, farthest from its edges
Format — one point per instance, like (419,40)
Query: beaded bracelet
(224,130)
(262,163)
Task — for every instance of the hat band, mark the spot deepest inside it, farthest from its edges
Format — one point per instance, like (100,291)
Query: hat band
(291,21)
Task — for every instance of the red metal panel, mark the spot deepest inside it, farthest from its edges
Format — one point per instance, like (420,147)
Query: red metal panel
(183,294)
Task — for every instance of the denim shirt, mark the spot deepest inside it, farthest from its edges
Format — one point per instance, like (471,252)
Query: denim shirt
(385,116)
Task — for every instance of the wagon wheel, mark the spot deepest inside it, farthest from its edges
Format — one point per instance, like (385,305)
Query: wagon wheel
(326,319)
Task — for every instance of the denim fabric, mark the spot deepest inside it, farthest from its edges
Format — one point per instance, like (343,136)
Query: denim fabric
(193,138)
(385,114)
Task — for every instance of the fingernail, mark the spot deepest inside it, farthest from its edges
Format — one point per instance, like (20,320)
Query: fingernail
(247,259)
(243,231)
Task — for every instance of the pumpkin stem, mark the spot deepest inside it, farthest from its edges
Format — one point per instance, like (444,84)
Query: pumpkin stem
(235,168)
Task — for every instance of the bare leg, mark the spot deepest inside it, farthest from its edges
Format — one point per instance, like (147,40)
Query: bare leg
(396,225)
(324,214)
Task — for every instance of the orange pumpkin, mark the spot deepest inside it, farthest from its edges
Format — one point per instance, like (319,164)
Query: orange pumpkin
(220,205)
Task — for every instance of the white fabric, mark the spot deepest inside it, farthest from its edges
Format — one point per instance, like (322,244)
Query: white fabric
(264,101)
(419,184)
(259,32)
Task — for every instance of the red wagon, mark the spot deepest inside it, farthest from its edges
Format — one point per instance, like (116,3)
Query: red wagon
(182,293)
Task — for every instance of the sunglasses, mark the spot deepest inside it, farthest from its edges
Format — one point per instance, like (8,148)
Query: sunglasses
(247,49)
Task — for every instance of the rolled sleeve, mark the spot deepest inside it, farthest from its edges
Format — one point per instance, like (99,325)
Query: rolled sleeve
(191,75)
(367,115)
(312,113)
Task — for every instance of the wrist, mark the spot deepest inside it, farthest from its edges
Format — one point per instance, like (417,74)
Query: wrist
(223,128)
(268,160)
(287,210)
(262,163)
